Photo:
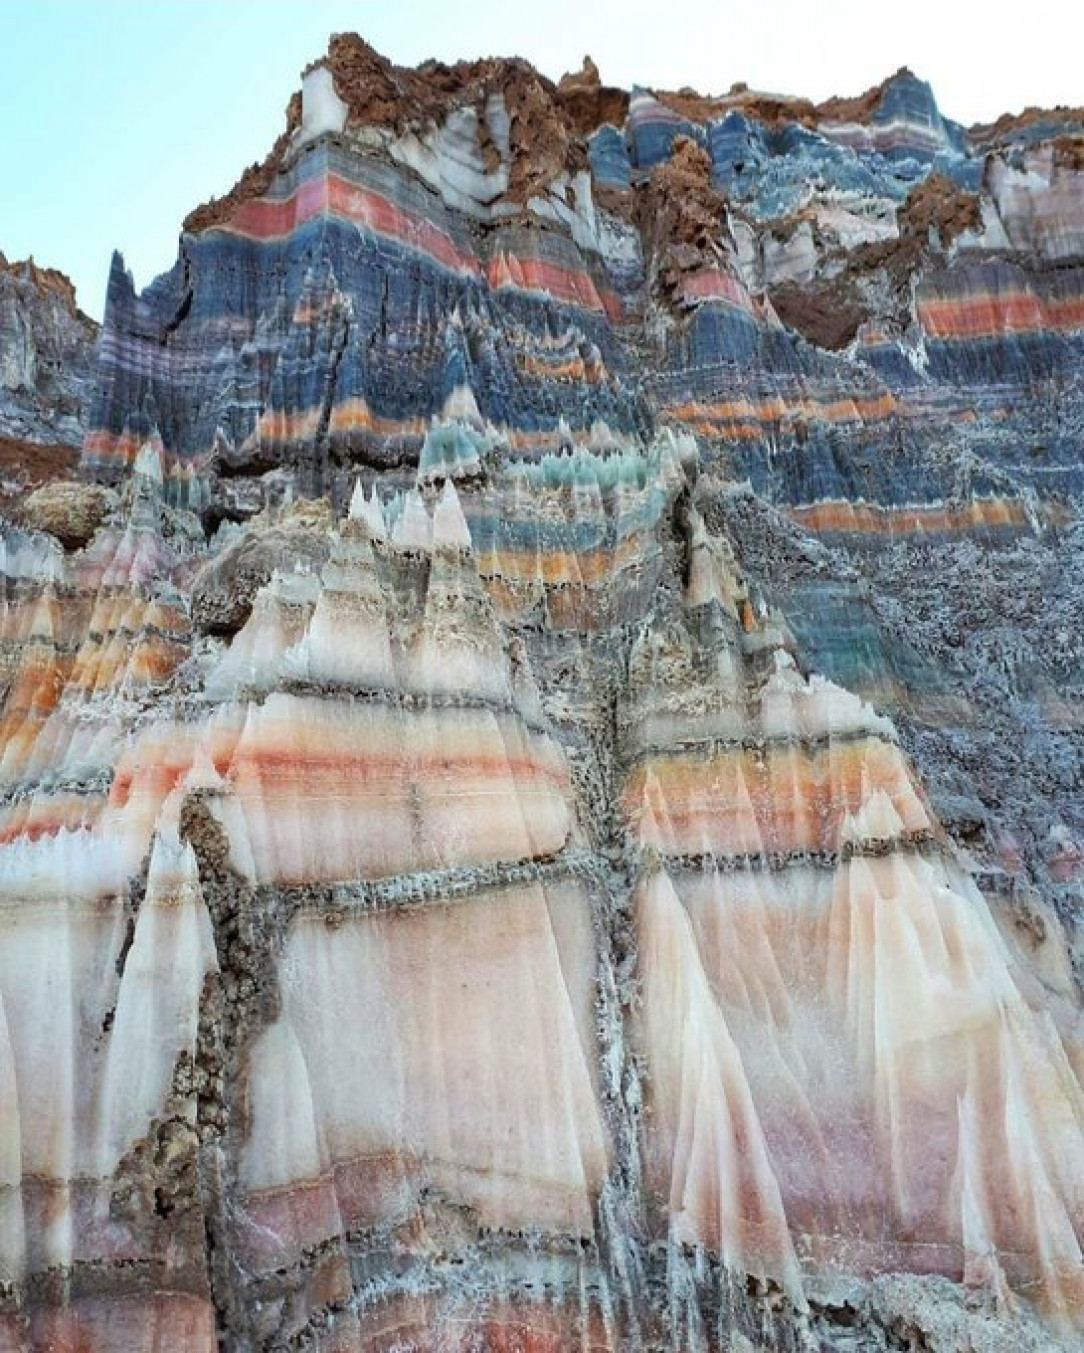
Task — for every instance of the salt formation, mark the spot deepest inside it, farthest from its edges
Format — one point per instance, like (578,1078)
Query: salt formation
(531,814)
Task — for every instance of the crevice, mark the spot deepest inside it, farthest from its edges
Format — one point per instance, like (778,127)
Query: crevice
(321,454)
(239,1001)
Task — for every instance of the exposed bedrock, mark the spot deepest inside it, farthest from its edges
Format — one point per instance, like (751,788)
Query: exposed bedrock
(46,369)
(541,784)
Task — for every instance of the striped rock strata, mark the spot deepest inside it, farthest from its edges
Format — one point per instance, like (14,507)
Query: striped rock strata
(546,812)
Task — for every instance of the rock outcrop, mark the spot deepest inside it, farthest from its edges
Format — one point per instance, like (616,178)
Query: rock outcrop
(541,768)
(46,369)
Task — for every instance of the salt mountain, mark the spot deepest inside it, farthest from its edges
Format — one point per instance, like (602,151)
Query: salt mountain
(542,805)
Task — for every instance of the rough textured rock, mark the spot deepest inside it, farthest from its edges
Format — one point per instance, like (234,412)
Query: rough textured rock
(46,359)
(548,811)
(224,588)
(72,512)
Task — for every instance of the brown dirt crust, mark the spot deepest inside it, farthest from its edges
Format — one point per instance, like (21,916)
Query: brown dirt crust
(826,313)
(1069,152)
(33,464)
(860,107)
(939,202)
(588,102)
(683,216)
(991,134)
(684,187)
(544,137)
(27,464)
(770,109)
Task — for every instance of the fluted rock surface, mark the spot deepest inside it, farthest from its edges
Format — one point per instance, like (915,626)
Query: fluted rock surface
(542,807)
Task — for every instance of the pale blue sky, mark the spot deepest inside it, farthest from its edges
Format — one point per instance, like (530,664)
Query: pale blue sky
(119,116)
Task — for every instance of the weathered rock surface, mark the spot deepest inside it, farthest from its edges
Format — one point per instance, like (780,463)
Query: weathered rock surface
(46,365)
(548,811)
(70,511)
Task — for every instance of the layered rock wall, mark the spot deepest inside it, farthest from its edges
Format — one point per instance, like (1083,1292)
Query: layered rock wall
(544,810)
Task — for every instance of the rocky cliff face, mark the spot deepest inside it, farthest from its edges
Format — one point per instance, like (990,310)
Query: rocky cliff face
(541,807)
(46,368)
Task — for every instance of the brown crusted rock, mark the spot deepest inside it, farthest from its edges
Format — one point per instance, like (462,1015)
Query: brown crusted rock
(829,311)
(828,314)
(224,589)
(588,102)
(70,511)
(939,203)
(1005,129)
(1069,152)
(684,219)
(377,93)
(685,189)
(545,138)
(34,463)
(772,110)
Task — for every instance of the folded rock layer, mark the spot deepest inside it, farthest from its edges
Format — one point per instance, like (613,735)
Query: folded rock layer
(540,797)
